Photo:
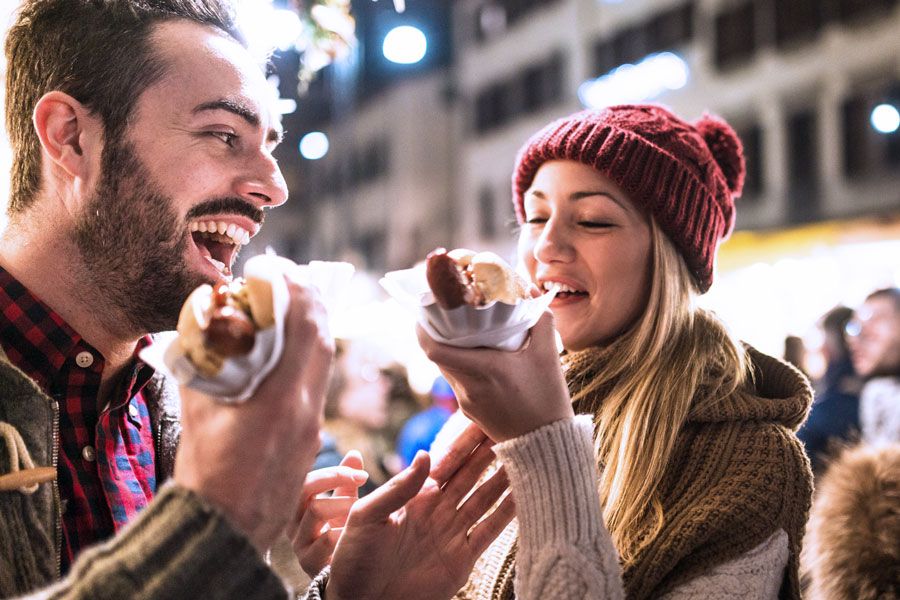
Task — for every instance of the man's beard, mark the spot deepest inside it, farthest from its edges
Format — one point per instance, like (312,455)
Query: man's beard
(133,247)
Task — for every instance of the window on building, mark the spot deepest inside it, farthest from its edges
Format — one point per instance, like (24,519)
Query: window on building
(851,10)
(670,28)
(542,84)
(630,45)
(372,246)
(735,35)
(797,21)
(496,16)
(489,107)
(534,88)
(855,125)
(666,30)
(803,165)
(752,139)
(487,211)
(604,57)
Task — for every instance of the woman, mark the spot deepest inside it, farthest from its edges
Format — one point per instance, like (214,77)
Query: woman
(703,487)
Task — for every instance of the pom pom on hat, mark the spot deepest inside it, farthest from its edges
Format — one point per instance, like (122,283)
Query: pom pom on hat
(686,175)
(726,149)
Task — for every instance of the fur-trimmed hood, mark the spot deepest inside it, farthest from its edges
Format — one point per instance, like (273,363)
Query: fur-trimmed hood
(853,535)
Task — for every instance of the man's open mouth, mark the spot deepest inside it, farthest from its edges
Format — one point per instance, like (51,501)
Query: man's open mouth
(219,242)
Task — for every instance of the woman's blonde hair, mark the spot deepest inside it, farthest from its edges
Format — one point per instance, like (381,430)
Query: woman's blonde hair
(676,358)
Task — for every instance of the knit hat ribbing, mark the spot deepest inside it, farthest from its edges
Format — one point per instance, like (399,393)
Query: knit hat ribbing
(686,175)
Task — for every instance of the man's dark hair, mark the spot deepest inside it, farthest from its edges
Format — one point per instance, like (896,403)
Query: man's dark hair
(98,52)
(890,293)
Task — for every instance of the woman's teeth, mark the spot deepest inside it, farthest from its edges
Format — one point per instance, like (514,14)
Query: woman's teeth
(237,235)
(560,287)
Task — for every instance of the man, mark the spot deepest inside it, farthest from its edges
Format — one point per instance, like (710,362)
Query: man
(142,136)
(131,126)
(875,348)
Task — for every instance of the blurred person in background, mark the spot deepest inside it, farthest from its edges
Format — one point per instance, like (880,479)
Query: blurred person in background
(421,429)
(703,486)
(356,413)
(834,418)
(403,404)
(795,353)
(875,351)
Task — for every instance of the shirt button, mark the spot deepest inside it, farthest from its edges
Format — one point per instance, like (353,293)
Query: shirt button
(133,411)
(88,453)
(84,359)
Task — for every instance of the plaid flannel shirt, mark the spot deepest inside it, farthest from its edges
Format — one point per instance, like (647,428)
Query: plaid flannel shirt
(106,471)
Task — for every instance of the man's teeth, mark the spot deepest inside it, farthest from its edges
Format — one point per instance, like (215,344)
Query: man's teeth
(238,235)
(219,265)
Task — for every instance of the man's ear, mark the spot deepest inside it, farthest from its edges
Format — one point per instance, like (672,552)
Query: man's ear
(69,134)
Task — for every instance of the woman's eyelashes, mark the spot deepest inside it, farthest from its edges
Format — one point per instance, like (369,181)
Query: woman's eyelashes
(596,224)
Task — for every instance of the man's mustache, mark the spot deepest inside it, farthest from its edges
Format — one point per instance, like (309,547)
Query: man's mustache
(226,205)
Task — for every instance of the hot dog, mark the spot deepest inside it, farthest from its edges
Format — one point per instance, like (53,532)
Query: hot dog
(462,277)
(221,322)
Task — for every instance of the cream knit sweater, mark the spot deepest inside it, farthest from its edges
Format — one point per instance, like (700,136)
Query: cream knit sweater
(564,549)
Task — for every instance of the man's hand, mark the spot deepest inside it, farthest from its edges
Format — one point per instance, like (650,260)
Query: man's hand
(321,516)
(250,459)
(414,537)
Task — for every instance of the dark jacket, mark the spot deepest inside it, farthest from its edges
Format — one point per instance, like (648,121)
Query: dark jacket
(834,418)
(178,547)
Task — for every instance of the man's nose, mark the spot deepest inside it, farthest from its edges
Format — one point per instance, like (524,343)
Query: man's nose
(264,184)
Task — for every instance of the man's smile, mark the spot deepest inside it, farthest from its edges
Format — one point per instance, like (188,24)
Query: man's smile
(220,239)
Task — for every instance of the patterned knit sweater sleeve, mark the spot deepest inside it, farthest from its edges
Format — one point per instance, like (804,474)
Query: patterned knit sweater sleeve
(178,547)
(564,549)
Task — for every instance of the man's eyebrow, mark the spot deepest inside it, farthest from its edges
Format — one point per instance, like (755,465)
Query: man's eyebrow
(275,135)
(232,106)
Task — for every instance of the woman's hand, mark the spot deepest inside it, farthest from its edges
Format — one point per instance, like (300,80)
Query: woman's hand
(507,393)
(414,537)
(321,516)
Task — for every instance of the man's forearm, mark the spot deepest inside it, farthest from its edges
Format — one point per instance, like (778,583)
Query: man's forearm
(179,547)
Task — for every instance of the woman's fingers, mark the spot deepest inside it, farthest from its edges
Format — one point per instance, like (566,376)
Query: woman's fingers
(352,460)
(333,478)
(320,511)
(314,557)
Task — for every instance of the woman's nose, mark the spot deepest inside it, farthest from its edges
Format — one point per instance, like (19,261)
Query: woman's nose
(553,244)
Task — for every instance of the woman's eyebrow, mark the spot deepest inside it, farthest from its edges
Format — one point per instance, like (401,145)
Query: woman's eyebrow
(575,196)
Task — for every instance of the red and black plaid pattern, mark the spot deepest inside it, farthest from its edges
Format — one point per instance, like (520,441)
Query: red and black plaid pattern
(106,470)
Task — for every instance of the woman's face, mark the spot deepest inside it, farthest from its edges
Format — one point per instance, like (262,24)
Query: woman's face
(581,231)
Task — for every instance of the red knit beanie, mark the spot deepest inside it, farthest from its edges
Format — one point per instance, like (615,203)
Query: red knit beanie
(686,175)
